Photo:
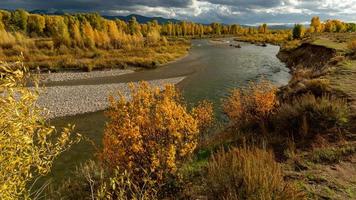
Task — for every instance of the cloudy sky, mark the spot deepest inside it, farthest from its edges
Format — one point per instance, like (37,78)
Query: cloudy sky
(205,11)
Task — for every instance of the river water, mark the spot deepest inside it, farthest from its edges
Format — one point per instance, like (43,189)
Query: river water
(211,69)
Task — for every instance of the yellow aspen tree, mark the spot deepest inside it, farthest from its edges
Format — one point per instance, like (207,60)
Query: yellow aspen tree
(28,144)
(36,24)
(88,35)
(76,35)
(316,24)
(113,33)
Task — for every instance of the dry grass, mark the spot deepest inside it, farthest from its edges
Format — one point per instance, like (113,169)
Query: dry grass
(308,116)
(247,174)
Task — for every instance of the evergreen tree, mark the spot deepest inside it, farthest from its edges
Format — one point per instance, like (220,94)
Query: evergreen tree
(298,31)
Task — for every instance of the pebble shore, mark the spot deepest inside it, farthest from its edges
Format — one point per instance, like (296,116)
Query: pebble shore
(67,76)
(62,101)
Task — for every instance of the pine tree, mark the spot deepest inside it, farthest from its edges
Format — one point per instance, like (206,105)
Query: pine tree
(298,31)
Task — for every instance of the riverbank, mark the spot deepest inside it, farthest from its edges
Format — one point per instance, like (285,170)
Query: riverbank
(63,101)
(310,131)
(323,66)
(76,59)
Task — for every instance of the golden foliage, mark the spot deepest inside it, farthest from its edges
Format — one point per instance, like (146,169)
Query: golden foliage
(244,173)
(255,102)
(154,131)
(28,145)
(204,113)
(352,46)
(153,37)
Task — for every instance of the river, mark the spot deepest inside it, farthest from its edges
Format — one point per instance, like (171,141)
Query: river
(211,69)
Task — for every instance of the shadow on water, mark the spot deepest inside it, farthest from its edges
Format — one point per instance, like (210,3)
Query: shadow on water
(211,71)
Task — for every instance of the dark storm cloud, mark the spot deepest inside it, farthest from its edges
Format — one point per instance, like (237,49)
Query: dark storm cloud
(89,4)
(248,3)
(206,11)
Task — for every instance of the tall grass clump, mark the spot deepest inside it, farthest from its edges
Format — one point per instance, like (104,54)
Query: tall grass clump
(7,40)
(308,116)
(92,181)
(243,173)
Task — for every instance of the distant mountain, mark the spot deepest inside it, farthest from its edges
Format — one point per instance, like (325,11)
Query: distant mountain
(272,27)
(48,12)
(139,18)
(280,27)
(143,19)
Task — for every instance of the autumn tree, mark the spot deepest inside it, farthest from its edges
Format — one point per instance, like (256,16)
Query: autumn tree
(330,26)
(36,24)
(58,30)
(316,25)
(122,26)
(216,28)
(263,28)
(28,144)
(153,37)
(2,25)
(88,35)
(19,20)
(134,26)
(252,104)
(351,27)
(75,34)
(95,20)
(340,26)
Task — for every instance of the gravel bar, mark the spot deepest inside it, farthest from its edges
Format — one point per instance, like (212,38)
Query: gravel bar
(67,76)
(63,101)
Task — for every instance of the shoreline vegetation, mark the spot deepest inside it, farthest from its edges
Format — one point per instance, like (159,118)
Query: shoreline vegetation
(295,142)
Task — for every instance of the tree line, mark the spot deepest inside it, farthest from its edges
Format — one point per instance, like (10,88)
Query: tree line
(329,26)
(90,30)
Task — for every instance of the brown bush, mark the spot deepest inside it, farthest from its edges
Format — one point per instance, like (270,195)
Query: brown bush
(245,173)
(352,46)
(308,116)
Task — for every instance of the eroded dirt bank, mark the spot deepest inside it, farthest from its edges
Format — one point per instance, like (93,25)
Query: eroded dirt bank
(307,55)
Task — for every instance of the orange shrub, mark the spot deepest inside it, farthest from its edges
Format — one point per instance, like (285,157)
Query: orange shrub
(204,114)
(152,132)
(352,46)
(253,103)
